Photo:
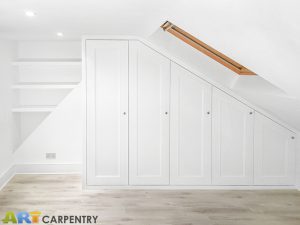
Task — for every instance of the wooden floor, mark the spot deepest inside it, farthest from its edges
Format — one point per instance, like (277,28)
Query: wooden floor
(62,195)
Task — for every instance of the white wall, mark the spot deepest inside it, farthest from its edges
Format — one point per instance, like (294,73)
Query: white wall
(193,59)
(255,89)
(298,162)
(7,52)
(60,131)
(49,49)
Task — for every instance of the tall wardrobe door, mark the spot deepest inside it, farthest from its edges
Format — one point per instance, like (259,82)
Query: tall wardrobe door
(190,128)
(149,86)
(274,153)
(107,112)
(232,141)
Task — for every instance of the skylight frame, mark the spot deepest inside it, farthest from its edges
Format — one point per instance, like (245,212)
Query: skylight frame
(206,49)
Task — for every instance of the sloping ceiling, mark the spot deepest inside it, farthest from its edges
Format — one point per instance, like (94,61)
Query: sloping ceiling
(255,89)
(263,35)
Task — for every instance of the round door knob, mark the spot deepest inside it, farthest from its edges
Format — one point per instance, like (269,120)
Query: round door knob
(208,113)
(166,113)
(293,137)
(124,113)
(250,113)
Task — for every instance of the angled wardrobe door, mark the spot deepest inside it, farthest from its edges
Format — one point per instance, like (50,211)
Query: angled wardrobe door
(274,153)
(149,85)
(190,128)
(107,112)
(232,138)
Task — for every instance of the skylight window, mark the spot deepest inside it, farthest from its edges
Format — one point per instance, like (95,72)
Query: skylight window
(206,49)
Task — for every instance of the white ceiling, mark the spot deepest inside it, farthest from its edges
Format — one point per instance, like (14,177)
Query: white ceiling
(77,17)
(263,35)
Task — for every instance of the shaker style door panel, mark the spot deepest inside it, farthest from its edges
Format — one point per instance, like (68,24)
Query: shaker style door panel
(190,128)
(274,153)
(107,112)
(149,86)
(232,138)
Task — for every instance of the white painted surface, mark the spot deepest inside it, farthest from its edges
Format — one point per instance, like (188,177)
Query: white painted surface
(60,133)
(193,187)
(6,176)
(7,121)
(265,38)
(38,169)
(298,162)
(34,109)
(49,51)
(45,74)
(107,112)
(149,91)
(270,98)
(190,150)
(149,83)
(274,153)
(192,58)
(38,97)
(42,70)
(258,91)
(232,141)
(44,86)
(45,168)
(38,62)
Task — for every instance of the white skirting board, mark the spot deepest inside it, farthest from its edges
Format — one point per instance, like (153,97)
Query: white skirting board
(6,176)
(38,169)
(205,187)
(48,168)
(77,169)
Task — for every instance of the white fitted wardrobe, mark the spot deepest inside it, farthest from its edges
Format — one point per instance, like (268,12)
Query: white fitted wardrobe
(151,122)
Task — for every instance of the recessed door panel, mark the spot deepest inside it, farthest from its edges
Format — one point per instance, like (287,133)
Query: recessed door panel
(232,141)
(107,112)
(274,153)
(149,116)
(190,128)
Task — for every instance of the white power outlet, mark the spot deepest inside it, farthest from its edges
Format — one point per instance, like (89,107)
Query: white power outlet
(50,155)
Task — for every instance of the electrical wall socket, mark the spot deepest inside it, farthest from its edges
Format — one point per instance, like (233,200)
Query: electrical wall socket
(50,155)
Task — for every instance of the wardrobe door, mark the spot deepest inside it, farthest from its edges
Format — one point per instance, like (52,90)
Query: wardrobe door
(274,153)
(232,139)
(190,128)
(107,112)
(149,86)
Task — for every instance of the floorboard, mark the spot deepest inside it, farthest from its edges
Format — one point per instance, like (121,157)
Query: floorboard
(62,195)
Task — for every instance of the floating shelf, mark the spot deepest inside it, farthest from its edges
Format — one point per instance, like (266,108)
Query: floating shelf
(29,109)
(45,86)
(54,62)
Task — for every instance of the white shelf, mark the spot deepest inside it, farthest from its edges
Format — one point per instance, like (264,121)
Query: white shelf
(45,86)
(29,109)
(37,62)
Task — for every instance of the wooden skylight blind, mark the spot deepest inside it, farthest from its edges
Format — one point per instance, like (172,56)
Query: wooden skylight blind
(206,49)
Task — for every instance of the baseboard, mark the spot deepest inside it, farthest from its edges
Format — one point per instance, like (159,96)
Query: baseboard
(227,188)
(77,169)
(38,169)
(6,177)
(48,168)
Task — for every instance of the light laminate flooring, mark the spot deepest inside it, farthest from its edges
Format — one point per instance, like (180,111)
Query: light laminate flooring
(63,195)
